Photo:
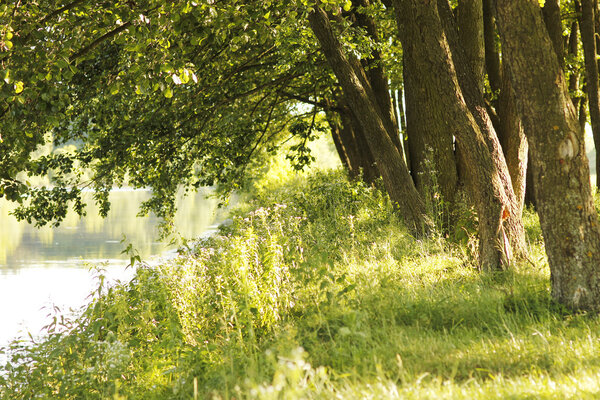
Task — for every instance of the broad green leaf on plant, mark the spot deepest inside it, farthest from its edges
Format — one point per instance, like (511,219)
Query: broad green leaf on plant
(18,87)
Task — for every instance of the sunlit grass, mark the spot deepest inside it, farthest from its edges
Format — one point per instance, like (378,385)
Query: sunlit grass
(316,290)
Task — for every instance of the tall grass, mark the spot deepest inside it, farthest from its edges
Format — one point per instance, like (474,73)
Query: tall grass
(315,290)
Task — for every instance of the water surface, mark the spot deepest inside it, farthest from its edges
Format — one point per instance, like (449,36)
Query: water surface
(41,269)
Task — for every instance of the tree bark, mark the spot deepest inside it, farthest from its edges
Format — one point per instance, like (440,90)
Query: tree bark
(512,139)
(422,36)
(551,12)
(591,73)
(353,133)
(573,51)
(335,126)
(394,172)
(492,55)
(562,182)
(513,224)
(433,164)
(471,37)
(377,78)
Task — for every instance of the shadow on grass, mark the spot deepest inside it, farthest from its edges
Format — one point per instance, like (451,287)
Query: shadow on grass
(457,327)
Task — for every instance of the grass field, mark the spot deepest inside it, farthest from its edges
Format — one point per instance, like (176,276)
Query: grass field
(315,290)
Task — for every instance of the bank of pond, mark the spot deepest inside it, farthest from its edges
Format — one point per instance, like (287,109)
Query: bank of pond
(315,290)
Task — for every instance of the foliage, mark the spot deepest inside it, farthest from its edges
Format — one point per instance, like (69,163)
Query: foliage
(153,94)
(313,291)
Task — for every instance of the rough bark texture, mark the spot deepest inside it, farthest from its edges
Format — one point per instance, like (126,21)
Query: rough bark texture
(429,140)
(551,12)
(377,78)
(508,124)
(591,73)
(492,56)
(351,146)
(394,172)
(353,133)
(335,126)
(573,51)
(422,36)
(565,205)
(513,224)
(512,138)
(470,31)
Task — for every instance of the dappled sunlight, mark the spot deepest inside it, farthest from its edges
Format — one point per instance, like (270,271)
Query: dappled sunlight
(304,296)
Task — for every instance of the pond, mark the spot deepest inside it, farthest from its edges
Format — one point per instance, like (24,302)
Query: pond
(48,268)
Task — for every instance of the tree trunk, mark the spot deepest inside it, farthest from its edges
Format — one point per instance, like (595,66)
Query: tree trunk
(422,36)
(377,78)
(476,104)
(551,12)
(492,56)
(335,126)
(402,120)
(512,138)
(353,133)
(591,73)
(360,100)
(562,183)
(471,37)
(573,51)
(433,164)
(508,124)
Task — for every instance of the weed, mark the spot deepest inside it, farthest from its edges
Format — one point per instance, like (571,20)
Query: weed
(315,290)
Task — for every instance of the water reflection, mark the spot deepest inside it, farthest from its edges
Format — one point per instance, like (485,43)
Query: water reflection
(50,266)
(93,237)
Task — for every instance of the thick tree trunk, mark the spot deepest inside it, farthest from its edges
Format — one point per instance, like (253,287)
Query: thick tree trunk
(414,137)
(551,12)
(394,172)
(353,133)
(476,104)
(508,125)
(433,164)
(591,73)
(377,78)
(335,126)
(471,37)
(573,51)
(492,55)
(562,183)
(512,138)
(422,36)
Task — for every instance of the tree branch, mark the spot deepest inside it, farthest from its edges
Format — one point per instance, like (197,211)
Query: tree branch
(99,40)
(306,100)
(60,10)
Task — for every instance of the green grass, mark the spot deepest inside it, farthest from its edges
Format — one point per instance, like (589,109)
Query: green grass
(317,291)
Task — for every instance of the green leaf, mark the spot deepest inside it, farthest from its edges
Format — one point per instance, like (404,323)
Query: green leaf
(62,63)
(347,5)
(8,44)
(168,93)
(18,87)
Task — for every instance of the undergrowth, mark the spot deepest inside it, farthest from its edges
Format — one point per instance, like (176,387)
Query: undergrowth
(315,290)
